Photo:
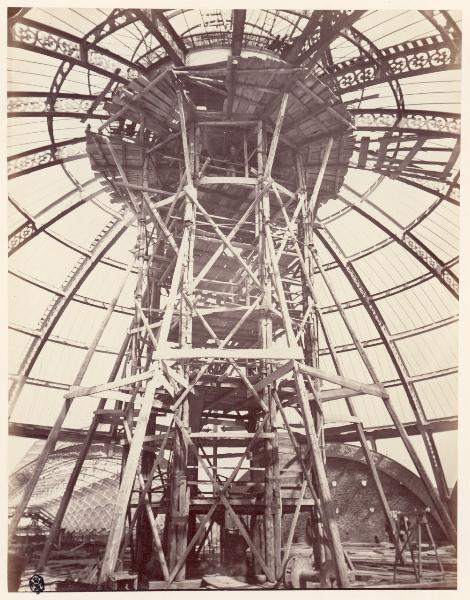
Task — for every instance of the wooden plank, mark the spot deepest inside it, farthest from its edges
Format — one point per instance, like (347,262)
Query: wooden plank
(77,391)
(213,180)
(135,98)
(314,204)
(328,517)
(127,482)
(274,353)
(363,388)
(337,394)
(274,376)
(114,395)
(239,435)
(276,135)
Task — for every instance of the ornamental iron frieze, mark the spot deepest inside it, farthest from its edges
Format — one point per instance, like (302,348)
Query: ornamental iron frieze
(329,28)
(63,47)
(420,121)
(433,262)
(410,58)
(117,19)
(79,106)
(367,48)
(20,235)
(444,189)
(446,26)
(26,104)
(37,160)
(37,38)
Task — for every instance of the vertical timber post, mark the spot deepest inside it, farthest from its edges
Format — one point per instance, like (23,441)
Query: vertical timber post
(179,490)
(305,226)
(272,495)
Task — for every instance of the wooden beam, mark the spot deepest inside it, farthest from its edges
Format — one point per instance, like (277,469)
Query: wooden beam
(362,437)
(238,435)
(213,180)
(148,508)
(276,136)
(314,198)
(227,504)
(77,391)
(141,188)
(184,137)
(329,520)
(337,394)
(363,388)
(274,376)
(134,99)
(230,236)
(127,482)
(238,26)
(274,353)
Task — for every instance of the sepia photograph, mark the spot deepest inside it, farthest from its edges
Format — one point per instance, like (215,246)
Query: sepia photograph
(233,298)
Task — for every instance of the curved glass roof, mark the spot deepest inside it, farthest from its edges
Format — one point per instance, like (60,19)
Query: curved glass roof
(389,241)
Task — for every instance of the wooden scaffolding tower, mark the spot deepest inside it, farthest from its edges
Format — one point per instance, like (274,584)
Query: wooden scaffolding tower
(224,342)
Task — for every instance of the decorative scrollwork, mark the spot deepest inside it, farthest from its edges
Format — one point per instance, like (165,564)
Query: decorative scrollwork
(451,281)
(25,104)
(376,119)
(422,253)
(44,157)
(30,161)
(77,106)
(69,151)
(429,54)
(117,19)
(33,36)
(21,104)
(103,61)
(18,237)
(436,266)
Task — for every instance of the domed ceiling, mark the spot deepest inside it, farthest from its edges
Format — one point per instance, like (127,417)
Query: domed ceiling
(387,231)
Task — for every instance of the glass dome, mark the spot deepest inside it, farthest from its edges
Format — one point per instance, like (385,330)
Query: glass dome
(388,240)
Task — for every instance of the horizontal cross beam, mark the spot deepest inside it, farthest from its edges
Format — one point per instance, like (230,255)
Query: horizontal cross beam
(363,388)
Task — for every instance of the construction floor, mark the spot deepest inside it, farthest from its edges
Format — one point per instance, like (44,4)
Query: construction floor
(373,568)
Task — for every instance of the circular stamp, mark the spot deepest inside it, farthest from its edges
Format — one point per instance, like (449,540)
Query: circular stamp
(36,584)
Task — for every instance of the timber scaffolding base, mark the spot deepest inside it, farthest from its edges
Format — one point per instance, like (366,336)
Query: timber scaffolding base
(223,350)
